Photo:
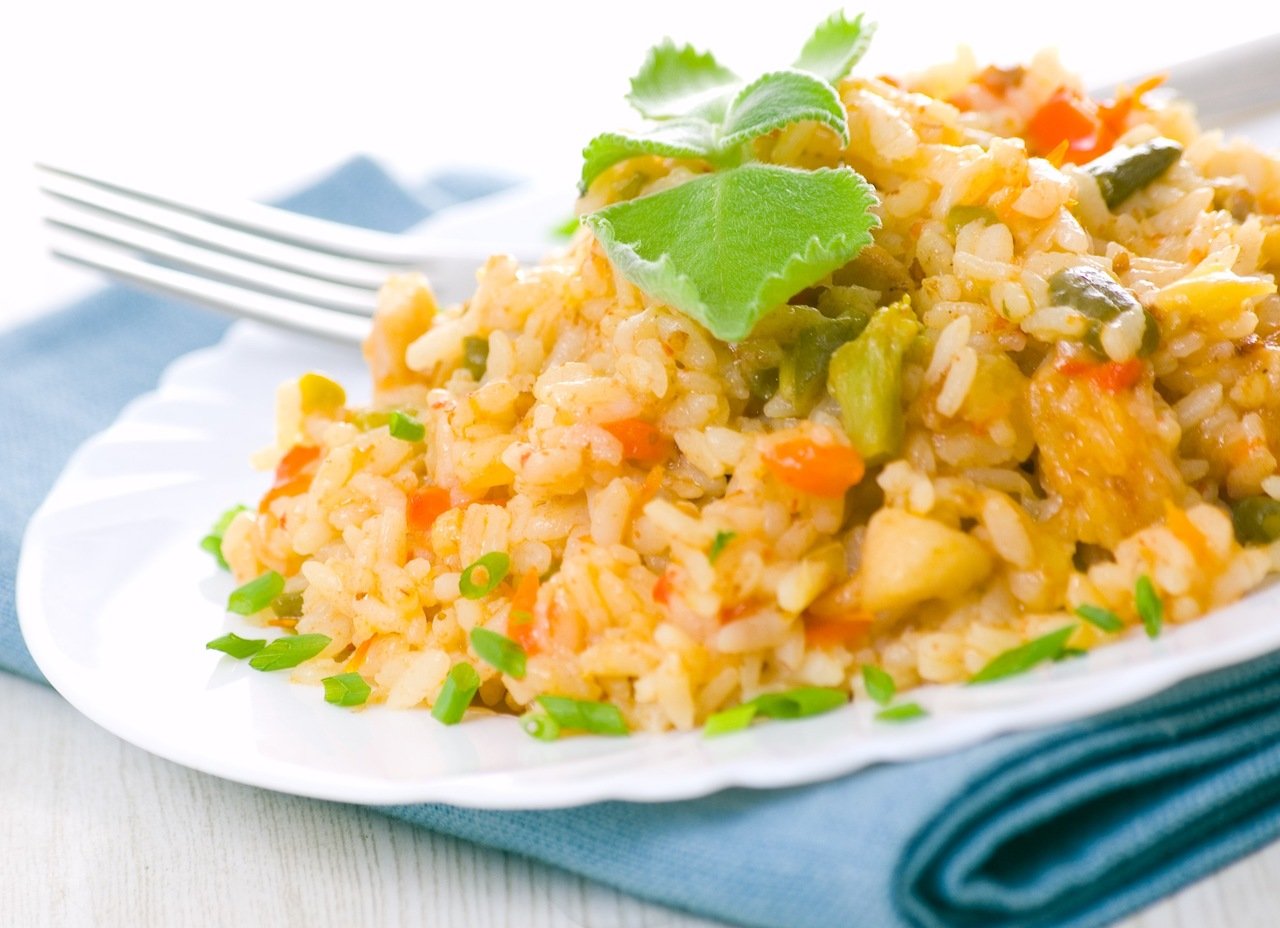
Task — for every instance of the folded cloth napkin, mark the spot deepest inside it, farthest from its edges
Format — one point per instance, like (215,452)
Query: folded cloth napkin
(1071,826)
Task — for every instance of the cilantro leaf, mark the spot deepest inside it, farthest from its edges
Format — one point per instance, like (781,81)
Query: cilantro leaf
(726,248)
(779,99)
(835,47)
(680,81)
(676,138)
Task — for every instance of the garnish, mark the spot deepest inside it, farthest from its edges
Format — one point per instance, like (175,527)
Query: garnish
(456,694)
(475,354)
(256,595)
(1150,607)
(903,712)
(1101,618)
(729,721)
(346,689)
(405,427)
(1021,659)
(213,541)
(800,702)
(499,651)
(540,725)
(599,718)
(237,647)
(880,685)
(728,247)
(289,651)
(718,544)
(493,568)
(566,228)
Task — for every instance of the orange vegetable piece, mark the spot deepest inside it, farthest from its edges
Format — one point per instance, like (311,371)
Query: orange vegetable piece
(828,633)
(1070,117)
(425,506)
(1112,376)
(662,589)
(641,441)
(293,474)
(520,623)
(821,469)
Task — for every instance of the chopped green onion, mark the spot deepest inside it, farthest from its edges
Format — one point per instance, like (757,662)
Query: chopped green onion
(499,651)
(719,543)
(287,605)
(730,720)
(880,685)
(405,427)
(1099,617)
(289,651)
(567,228)
(540,725)
(1150,607)
(237,647)
(599,718)
(256,595)
(494,567)
(346,689)
(1067,654)
(800,702)
(903,712)
(475,356)
(1021,659)
(456,694)
(318,393)
(213,541)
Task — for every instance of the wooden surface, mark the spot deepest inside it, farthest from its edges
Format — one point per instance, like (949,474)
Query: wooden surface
(95,832)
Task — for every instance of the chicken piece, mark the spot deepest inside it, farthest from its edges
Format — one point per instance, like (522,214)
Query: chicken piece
(406,307)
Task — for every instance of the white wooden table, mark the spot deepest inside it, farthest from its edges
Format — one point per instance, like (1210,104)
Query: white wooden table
(248,99)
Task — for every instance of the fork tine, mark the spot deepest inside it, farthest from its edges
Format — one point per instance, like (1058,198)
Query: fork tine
(307,261)
(103,227)
(237,300)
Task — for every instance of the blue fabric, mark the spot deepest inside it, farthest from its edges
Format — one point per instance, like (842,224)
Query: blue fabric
(1075,826)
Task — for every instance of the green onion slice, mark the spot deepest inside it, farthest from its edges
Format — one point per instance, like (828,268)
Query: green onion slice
(499,651)
(1104,619)
(346,689)
(289,651)
(718,545)
(213,541)
(903,712)
(493,566)
(1150,606)
(880,685)
(287,605)
(599,718)
(540,725)
(237,647)
(456,694)
(256,595)
(405,427)
(799,703)
(730,720)
(1021,659)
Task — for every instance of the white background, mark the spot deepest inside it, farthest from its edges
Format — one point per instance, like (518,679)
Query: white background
(246,98)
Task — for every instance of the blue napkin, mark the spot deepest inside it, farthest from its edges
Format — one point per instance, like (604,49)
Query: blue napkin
(1073,826)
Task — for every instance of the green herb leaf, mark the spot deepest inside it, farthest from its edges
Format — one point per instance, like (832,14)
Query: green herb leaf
(255,595)
(779,99)
(499,651)
(903,712)
(494,566)
(600,718)
(237,647)
(1104,619)
(405,427)
(682,138)
(456,694)
(727,248)
(1150,606)
(836,46)
(718,544)
(1021,659)
(799,703)
(730,720)
(213,541)
(678,80)
(346,689)
(289,651)
(540,725)
(880,685)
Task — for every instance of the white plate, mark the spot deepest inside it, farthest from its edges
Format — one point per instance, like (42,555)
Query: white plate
(116,602)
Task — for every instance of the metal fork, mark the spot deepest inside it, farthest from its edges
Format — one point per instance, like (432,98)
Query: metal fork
(244,258)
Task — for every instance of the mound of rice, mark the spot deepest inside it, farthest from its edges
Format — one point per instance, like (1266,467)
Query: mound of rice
(1022,489)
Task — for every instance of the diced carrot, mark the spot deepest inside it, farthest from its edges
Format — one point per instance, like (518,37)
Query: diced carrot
(357,657)
(1115,113)
(827,633)
(642,442)
(425,506)
(1068,116)
(811,467)
(662,588)
(1115,376)
(520,622)
(293,474)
